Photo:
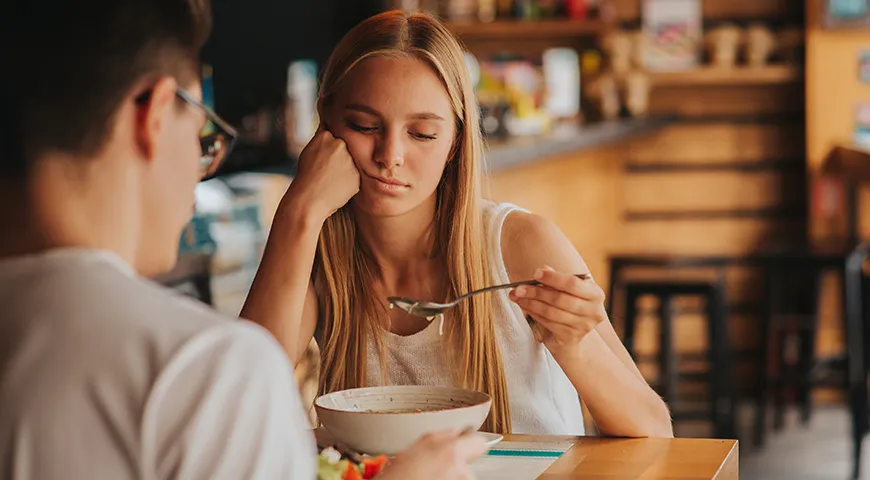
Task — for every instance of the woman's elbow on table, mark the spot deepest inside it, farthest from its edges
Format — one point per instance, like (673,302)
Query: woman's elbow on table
(655,423)
(660,424)
(664,426)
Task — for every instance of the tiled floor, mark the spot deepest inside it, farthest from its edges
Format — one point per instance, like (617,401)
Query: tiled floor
(818,451)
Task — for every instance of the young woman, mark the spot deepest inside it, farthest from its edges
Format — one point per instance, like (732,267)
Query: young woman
(387,202)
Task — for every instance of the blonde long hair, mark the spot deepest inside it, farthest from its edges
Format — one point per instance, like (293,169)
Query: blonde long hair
(343,267)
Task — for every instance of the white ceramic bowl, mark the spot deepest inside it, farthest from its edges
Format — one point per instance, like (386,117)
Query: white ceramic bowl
(387,420)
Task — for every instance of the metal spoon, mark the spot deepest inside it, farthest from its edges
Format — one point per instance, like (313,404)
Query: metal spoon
(422,308)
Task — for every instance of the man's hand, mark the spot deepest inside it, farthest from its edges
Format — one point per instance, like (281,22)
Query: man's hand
(437,456)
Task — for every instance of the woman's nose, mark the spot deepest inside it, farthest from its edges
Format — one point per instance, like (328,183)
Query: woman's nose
(390,151)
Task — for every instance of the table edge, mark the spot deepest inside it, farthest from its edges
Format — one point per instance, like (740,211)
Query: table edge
(733,455)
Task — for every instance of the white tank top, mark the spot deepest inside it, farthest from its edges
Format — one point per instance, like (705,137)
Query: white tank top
(542,399)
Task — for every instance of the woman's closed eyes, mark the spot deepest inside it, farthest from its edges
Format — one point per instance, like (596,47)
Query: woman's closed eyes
(361,128)
(365,129)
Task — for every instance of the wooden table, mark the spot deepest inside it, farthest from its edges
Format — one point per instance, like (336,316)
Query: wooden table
(598,458)
(646,458)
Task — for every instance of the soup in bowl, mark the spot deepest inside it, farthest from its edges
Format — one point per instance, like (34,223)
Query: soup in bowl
(387,420)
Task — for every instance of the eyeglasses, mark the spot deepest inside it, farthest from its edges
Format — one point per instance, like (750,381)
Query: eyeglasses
(216,138)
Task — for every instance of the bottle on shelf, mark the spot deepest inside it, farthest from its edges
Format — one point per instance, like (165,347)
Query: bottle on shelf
(526,9)
(548,8)
(505,8)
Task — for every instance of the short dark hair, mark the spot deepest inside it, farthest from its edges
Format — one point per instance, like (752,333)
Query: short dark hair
(67,66)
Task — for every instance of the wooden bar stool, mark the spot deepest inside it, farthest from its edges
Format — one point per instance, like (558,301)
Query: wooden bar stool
(793,276)
(721,411)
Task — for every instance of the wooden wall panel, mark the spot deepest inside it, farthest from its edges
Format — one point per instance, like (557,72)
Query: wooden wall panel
(580,193)
(718,236)
(706,143)
(655,192)
(727,100)
(587,195)
(833,88)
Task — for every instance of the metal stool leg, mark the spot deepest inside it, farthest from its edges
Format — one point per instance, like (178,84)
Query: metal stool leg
(667,359)
(768,358)
(720,365)
(631,296)
(855,345)
(783,330)
(808,349)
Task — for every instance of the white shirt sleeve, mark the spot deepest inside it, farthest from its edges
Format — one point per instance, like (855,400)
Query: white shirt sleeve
(227,407)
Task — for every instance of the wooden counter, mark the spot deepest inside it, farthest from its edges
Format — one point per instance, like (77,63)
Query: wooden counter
(519,151)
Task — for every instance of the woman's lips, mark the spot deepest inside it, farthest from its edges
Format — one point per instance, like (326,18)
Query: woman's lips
(388,185)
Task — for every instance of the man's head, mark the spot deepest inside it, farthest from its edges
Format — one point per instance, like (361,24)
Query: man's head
(99,100)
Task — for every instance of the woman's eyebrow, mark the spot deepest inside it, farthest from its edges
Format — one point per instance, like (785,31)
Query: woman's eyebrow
(371,111)
(425,116)
(362,108)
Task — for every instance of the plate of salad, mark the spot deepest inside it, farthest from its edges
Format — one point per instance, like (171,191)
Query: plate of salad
(335,463)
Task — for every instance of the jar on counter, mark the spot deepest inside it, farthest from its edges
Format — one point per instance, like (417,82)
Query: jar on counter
(636,88)
(487,10)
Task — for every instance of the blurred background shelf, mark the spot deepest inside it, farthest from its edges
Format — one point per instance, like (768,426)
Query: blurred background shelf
(629,11)
(514,30)
(713,76)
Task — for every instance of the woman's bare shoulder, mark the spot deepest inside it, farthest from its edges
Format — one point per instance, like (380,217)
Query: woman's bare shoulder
(530,241)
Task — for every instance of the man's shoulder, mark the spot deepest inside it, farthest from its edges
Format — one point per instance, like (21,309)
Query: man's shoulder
(98,353)
(111,310)
(133,299)
(232,381)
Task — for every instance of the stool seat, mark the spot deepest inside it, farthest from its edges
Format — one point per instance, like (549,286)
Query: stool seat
(673,287)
